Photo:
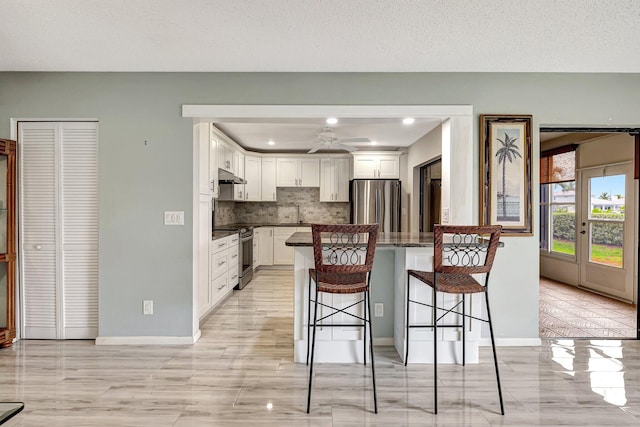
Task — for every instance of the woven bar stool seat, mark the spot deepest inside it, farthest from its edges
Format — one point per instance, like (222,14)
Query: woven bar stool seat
(459,252)
(343,257)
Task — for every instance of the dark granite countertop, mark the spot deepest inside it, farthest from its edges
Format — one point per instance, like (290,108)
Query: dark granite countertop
(221,234)
(285,224)
(416,240)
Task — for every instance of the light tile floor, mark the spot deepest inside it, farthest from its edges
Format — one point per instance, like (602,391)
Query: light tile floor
(241,373)
(568,311)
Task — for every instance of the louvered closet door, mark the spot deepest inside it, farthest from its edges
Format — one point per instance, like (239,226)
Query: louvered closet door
(38,196)
(59,229)
(79,226)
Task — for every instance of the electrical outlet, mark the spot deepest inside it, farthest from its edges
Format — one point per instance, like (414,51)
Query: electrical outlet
(147,306)
(379,309)
(173,217)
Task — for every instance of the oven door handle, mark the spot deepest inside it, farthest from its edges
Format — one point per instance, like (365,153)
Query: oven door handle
(245,239)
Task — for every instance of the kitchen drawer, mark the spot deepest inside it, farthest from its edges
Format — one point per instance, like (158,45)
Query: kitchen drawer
(233,254)
(219,245)
(219,287)
(233,276)
(234,239)
(219,263)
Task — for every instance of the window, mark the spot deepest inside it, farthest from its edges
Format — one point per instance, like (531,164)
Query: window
(558,201)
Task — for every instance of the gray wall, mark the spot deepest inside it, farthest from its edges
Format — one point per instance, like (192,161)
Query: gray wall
(142,259)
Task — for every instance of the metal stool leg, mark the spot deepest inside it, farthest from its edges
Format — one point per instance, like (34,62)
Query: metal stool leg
(464,331)
(313,347)
(364,325)
(406,355)
(309,321)
(495,356)
(435,349)
(373,368)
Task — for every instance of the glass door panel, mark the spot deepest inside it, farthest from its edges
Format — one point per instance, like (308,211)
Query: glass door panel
(607,231)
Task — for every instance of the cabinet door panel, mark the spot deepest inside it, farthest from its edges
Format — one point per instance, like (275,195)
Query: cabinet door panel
(309,172)
(268,180)
(327,174)
(287,172)
(365,167)
(389,167)
(341,180)
(253,174)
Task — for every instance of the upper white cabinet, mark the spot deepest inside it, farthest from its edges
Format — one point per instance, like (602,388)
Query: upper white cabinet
(213,163)
(334,180)
(238,164)
(376,165)
(268,179)
(225,156)
(298,172)
(253,176)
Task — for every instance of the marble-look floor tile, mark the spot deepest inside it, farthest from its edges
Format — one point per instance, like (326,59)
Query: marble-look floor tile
(241,373)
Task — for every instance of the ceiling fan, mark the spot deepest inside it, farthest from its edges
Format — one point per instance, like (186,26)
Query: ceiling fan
(328,140)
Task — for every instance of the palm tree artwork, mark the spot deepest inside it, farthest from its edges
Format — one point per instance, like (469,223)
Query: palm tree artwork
(508,151)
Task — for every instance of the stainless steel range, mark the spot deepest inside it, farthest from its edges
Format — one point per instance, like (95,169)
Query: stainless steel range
(245,251)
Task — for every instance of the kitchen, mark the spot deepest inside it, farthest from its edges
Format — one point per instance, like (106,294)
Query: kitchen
(274,188)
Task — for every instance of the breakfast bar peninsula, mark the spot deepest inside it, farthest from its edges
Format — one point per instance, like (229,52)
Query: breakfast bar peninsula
(395,254)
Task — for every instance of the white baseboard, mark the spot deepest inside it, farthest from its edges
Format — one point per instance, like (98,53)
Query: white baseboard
(148,340)
(512,342)
(383,341)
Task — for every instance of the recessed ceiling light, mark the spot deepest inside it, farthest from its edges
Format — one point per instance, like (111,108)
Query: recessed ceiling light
(408,120)
(332,121)
(373,143)
(271,142)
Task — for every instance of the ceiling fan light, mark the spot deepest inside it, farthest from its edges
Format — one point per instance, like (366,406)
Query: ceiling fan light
(408,120)
(332,121)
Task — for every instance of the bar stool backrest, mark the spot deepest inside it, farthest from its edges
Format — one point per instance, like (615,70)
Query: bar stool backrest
(465,249)
(344,248)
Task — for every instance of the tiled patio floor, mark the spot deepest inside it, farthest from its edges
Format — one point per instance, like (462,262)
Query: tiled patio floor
(568,311)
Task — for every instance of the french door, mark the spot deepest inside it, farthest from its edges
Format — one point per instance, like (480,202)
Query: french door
(606,230)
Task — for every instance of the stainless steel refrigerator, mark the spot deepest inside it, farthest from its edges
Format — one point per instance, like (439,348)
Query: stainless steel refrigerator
(375,201)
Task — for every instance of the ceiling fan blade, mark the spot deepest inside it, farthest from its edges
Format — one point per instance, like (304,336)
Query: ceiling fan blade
(316,148)
(345,147)
(343,140)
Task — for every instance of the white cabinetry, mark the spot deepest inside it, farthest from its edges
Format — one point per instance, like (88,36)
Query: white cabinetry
(334,180)
(298,172)
(238,164)
(223,273)
(253,175)
(283,254)
(225,156)
(265,248)
(207,160)
(268,179)
(376,165)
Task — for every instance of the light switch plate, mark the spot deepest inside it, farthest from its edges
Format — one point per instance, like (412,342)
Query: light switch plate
(173,217)
(445,215)
(379,310)
(147,306)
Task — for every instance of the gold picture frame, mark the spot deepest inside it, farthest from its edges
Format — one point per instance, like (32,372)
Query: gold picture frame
(505,173)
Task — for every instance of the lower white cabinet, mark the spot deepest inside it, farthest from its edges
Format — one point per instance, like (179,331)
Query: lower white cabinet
(223,273)
(283,254)
(265,245)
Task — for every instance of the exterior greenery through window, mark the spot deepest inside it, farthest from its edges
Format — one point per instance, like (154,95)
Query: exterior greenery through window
(558,200)
(558,218)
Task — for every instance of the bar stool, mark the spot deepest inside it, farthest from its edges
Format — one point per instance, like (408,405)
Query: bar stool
(343,256)
(459,252)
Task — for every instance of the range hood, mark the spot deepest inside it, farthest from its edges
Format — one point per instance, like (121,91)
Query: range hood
(226,177)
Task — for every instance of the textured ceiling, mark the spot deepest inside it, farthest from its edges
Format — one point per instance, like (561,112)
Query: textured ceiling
(320,35)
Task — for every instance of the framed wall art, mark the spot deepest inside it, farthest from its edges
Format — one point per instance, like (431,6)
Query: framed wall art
(505,173)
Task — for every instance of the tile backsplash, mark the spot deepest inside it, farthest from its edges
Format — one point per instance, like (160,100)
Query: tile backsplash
(285,210)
